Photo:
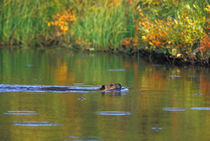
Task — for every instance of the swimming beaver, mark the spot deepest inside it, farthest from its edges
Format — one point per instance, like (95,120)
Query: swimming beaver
(112,86)
(108,87)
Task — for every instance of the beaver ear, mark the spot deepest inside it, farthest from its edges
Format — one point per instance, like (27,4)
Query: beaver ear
(102,87)
(119,85)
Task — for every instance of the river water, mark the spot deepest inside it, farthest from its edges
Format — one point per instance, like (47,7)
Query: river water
(162,102)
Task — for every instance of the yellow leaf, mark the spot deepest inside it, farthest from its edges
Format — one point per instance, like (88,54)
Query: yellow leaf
(143,37)
(179,55)
(49,24)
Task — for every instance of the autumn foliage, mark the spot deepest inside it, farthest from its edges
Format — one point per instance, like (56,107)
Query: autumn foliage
(183,35)
(204,43)
(62,21)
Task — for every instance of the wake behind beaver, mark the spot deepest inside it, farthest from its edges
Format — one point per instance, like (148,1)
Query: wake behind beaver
(113,87)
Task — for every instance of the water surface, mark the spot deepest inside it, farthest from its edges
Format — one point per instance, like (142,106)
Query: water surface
(162,103)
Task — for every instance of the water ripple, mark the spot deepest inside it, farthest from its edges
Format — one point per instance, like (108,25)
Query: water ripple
(184,109)
(113,113)
(81,99)
(116,69)
(174,76)
(34,123)
(198,94)
(174,109)
(20,113)
(157,128)
(200,108)
(84,138)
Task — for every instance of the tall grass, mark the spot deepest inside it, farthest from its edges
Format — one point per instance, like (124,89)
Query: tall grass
(25,21)
(103,23)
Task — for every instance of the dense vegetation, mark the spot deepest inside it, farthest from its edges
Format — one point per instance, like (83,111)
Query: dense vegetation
(175,27)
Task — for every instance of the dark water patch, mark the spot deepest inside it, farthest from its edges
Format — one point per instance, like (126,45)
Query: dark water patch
(174,109)
(34,123)
(116,70)
(20,113)
(200,108)
(174,76)
(113,113)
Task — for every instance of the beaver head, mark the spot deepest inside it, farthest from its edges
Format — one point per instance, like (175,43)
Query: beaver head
(112,86)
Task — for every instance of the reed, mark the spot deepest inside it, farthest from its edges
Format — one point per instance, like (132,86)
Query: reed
(24,22)
(106,28)
(101,23)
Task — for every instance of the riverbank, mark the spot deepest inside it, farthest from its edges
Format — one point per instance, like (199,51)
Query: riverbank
(176,29)
(168,59)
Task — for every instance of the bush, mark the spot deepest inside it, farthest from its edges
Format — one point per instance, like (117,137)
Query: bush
(180,33)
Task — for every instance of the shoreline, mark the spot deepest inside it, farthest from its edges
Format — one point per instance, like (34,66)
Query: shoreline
(168,59)
(150,56)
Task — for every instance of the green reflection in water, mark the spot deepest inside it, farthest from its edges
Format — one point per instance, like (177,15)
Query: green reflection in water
(152,89)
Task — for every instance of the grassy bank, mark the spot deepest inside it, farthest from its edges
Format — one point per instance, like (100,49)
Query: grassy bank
(175,27)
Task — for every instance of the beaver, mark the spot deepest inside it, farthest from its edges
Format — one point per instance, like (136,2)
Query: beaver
(103,88)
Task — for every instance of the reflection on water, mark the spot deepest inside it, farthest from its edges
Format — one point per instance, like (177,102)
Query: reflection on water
(162,103)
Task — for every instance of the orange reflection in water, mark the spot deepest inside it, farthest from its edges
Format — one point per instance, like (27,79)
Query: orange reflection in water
(62,76)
